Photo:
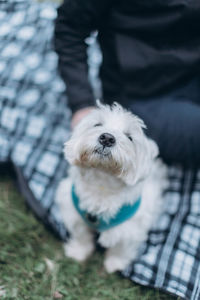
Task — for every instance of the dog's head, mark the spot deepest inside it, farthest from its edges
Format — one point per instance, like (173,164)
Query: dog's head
(112,139)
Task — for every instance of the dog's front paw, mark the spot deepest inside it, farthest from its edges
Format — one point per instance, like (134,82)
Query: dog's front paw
(114,263)
(74,249)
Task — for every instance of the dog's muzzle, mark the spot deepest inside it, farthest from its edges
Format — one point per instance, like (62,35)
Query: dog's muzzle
(107,140)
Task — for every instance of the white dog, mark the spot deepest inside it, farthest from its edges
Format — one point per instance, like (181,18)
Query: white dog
(115,186)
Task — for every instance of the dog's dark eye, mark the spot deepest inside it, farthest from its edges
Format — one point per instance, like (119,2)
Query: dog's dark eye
(98,124)
(129,137)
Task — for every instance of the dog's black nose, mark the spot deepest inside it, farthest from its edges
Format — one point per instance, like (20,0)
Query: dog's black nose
(107,140)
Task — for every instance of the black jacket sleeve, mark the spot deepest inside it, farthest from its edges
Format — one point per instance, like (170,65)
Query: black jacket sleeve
(175,126)
(76,20)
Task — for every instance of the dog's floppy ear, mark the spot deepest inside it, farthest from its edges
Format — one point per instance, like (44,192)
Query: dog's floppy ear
(69,150)
(146,152)
(72,145)
(153,148)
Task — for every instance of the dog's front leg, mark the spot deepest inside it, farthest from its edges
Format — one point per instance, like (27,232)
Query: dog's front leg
(110,238)
(117,258)
(81,245)
(121,248)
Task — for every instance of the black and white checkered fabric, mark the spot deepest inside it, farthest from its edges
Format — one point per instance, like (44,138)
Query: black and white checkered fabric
(34,123)
(170,259)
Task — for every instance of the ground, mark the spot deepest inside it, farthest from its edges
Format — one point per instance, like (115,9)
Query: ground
(33,266)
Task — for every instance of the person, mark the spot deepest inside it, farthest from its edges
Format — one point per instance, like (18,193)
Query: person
(151,65)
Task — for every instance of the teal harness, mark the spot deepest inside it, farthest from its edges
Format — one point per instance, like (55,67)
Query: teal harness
(97,223)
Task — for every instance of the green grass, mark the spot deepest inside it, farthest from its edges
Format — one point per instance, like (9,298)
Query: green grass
(26,248)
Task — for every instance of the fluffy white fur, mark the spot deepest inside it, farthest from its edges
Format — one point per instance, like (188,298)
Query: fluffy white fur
(106,178)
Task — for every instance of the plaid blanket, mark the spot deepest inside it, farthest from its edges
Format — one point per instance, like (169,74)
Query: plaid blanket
(34,123)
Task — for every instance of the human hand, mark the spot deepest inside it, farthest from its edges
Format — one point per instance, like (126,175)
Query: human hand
(79,115)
